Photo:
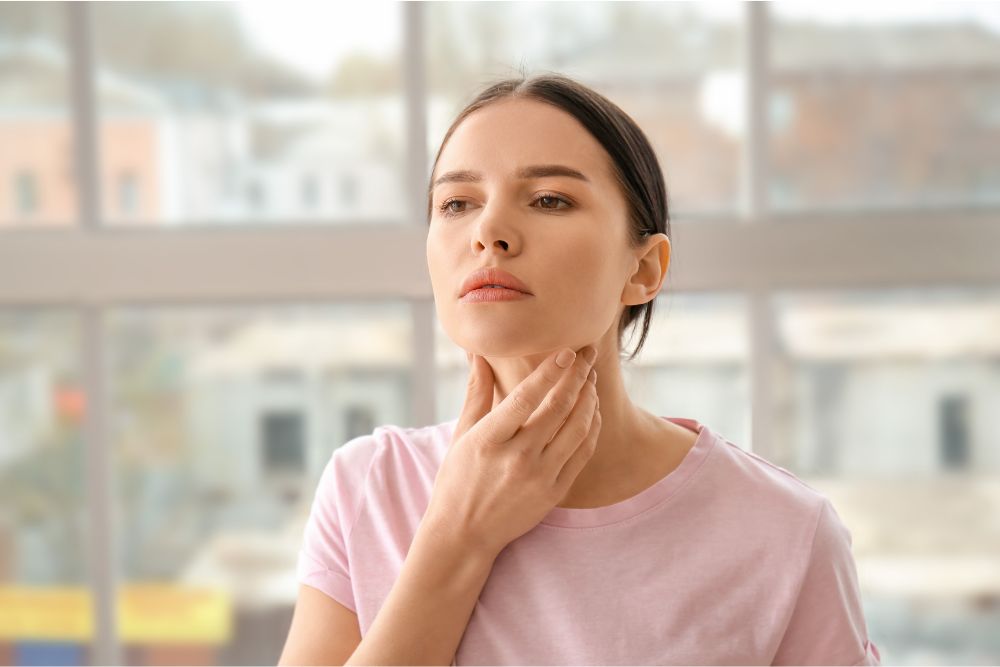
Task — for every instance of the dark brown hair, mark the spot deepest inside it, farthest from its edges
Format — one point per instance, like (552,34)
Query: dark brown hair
(633,159)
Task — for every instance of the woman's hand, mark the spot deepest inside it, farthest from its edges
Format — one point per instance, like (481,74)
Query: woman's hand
(508,467)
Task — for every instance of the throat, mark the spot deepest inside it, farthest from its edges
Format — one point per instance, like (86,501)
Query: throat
(655,455)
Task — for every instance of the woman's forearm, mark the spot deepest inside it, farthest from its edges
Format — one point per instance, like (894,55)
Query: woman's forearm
(429,606)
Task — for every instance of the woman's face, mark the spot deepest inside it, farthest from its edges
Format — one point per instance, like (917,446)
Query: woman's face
(565,238)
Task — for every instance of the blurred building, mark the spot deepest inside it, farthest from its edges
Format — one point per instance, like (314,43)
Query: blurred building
(190,152)
(176,152)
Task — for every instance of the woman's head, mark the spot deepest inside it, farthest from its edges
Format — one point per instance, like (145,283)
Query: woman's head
(592,249)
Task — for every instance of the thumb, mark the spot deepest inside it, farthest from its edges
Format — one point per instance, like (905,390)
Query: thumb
(478,396)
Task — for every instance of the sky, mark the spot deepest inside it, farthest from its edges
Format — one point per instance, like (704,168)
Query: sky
(313,36)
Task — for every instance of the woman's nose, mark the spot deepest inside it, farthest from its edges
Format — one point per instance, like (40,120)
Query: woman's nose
(494,229)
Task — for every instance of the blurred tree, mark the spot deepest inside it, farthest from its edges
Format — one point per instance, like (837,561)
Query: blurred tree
(45,488)
(189,42)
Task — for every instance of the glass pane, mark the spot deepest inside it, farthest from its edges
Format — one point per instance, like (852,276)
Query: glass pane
(673,67)
(45,598)
(224,419)
(693,364)
(884,105)
(217,112)
(886,404)
(37,174)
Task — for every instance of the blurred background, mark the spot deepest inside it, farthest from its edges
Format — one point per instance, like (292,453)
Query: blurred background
(212,275)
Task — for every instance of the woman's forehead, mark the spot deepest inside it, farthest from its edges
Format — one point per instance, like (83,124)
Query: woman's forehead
(505,139)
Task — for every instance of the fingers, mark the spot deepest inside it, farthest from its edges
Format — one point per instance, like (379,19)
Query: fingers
(570,454)
(478,395)
(545,422)
(514,410)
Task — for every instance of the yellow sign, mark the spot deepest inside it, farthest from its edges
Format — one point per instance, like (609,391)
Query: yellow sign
(147,613)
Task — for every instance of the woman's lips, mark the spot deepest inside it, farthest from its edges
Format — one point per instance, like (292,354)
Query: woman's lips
(493,295)
(492,275)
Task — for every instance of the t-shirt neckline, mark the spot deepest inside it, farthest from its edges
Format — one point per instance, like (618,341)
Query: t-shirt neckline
(592,517)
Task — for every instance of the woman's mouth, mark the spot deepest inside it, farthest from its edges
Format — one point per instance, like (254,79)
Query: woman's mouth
(487,294)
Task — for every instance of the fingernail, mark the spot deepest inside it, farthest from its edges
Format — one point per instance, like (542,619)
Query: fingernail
(593,376)
(590,353)
(565,358)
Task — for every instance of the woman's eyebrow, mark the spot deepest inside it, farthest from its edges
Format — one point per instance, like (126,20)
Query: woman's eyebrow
(534,171)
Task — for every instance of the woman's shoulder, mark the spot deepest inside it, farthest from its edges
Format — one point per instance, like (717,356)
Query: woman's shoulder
(752,473)
(393,436)
(430,438)
(418,433)
(391,447)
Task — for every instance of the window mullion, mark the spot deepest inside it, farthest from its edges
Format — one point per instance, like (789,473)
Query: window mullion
(416,110)
(99,470)
(754,211)
(99,490)
(756,68)
(423,407)
(83,97)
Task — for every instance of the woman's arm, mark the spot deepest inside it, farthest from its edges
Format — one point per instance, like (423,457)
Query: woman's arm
(425,615)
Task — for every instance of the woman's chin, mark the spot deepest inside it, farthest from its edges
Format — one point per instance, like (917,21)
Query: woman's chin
(496,353)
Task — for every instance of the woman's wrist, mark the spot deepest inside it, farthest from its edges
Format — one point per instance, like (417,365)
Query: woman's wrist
(454,539)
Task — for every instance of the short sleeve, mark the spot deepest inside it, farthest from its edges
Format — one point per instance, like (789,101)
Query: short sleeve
(323,557)
(827,626)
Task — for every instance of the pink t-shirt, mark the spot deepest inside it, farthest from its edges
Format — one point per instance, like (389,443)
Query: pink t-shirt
(729,559)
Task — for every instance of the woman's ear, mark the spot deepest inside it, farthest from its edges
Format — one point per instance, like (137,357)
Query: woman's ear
(652,262)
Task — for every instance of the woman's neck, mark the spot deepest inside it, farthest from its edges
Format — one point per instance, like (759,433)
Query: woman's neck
(626,439)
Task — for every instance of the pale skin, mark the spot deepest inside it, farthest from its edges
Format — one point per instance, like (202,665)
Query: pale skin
(566,239)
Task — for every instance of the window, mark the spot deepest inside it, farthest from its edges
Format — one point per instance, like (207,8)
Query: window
(283,441)
(870,376)
(37,183)
(881,95)
(857,352)
(43,493)
(256,89)
(954,419)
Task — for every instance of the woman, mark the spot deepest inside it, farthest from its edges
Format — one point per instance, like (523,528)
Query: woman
(555,521)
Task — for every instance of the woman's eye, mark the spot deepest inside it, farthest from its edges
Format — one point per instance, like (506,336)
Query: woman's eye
(553,199)
(549,202)
(447,206)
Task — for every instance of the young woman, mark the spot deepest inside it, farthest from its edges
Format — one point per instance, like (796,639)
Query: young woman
(555,521)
